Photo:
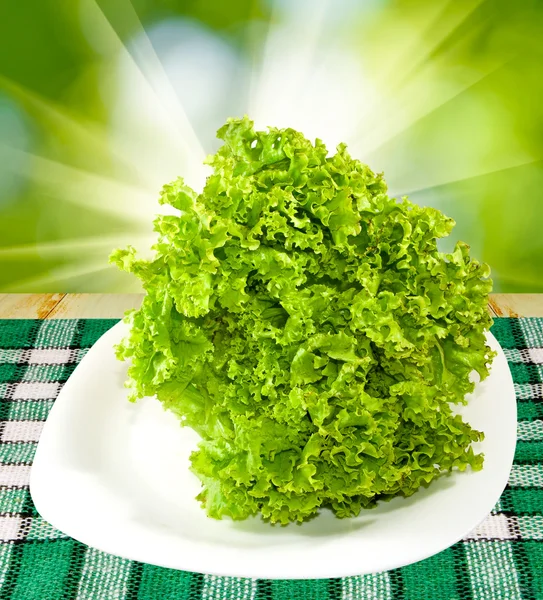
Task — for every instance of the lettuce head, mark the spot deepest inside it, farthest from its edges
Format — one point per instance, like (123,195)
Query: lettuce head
(307,327)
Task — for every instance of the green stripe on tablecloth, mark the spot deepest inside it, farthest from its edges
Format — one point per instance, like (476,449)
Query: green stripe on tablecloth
(526,373)
(5,556)
(335,589)
(44,568)
(77,560)
(397,584)
(13,568)
(17,334)
(530,431)
(528,391)
(56,334)
(529,451)
(492,570)
(463,580)
(531,527)
(92,330)
(528,411)
(17,453)
(9,372)
(367,586)
(526,476)
(45,373)
(168,584)
(12,500)
(134,579)
(40,529)
(11,355)
(312,589)
(224,588)
(77,339)
(196,585)
(5,409)
(507,333)
(420,583)
(79,354)
(30,410)
(516,356)
(532,328)
(103,576)
(522,501)
(522,563)
(534,552)
(264,589)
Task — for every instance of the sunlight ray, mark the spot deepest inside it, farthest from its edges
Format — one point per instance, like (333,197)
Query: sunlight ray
(89,190)
(402,41)
(408,43)
(513,276)
(254,47)
(286,63)
(442,28)
(85,134)
(424,88)
(60,248)
(57,277)
(406,114)
(485,173)
(386,74)
(145,59)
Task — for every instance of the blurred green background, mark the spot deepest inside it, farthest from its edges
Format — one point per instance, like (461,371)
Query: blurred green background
(104,101)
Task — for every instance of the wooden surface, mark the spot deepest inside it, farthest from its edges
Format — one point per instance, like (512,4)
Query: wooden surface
(95,306)
(516,305)
(113,306)
(67,306)
(28,306)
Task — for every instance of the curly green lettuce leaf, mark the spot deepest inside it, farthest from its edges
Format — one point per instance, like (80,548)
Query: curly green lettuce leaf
(306,326)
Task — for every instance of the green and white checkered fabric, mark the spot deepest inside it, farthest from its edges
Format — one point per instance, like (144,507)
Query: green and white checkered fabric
(501,559)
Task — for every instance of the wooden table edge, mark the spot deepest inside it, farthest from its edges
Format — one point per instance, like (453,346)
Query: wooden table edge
(113,306)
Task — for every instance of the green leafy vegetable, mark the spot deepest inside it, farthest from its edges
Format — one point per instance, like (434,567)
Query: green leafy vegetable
(307,327)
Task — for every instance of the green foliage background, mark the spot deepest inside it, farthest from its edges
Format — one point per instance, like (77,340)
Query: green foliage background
(474,151)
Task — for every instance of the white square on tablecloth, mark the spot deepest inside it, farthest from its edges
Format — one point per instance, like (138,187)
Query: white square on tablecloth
(22,431)
(49,356)
(36,391)
(9,528)
(536,355)
(493,527)
(15,475)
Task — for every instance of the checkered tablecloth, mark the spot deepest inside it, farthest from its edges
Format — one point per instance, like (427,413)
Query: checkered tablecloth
(501,559)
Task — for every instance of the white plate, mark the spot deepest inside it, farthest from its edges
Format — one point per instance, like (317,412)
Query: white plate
(115,476)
